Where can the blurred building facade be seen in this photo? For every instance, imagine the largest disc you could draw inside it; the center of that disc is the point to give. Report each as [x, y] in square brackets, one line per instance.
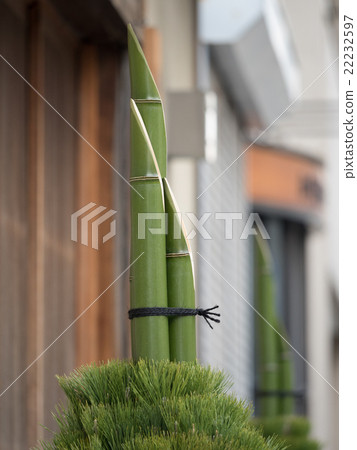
[231, 73]
[272, 66]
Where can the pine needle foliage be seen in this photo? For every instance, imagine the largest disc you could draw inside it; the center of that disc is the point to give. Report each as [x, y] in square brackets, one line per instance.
[153, 405]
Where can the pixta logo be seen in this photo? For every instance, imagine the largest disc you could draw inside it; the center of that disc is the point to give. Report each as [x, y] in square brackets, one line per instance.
[86, 225]
[157, 223]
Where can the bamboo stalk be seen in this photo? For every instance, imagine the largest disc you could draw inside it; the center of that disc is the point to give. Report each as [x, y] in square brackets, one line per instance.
[180, 283]
[150, 335]
[266, 336]
[147, 98]
[286, 404]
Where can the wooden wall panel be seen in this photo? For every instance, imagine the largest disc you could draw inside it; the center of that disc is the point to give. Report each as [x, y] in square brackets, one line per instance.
[87, 184]
[121, 193]
[47, 172]
[107, 75]
[152, 47]
[35, 149]
[60, 89]
[95, 330]
[13, 232]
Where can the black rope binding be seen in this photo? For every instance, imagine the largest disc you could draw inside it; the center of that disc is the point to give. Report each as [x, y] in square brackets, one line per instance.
[181, 312]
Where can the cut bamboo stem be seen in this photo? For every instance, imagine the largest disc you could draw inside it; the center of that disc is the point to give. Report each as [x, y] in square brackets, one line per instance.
[286, 384]
[180, 283]
[266, 336]
[150, 335]
[147, 98]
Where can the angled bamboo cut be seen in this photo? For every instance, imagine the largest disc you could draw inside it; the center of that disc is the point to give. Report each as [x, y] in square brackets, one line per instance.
[147, 98]
[179, 271]
[180, 283]
[150, 335]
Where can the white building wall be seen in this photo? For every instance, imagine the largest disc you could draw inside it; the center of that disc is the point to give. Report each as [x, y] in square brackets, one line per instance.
[311, 127]
[230, 345]
[307, 127]
[176, 23]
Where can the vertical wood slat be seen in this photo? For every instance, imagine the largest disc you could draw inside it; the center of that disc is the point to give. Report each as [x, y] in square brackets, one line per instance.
[13, 237]
[87, 171]
[36, 187]
[95, 330]
[152, 47]
[121, 195]
[107, 64]
[60, 51]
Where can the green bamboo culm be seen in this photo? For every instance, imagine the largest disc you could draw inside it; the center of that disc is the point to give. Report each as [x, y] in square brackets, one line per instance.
[285, 371]
[147, 98]
[293, 430]
[180, 283]
[148, 285]
[275, 363]
[266, 336]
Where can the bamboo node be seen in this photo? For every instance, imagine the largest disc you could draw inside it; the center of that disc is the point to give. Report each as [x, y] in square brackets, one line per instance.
[147, 100]
[143, 178]
[177, 255]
